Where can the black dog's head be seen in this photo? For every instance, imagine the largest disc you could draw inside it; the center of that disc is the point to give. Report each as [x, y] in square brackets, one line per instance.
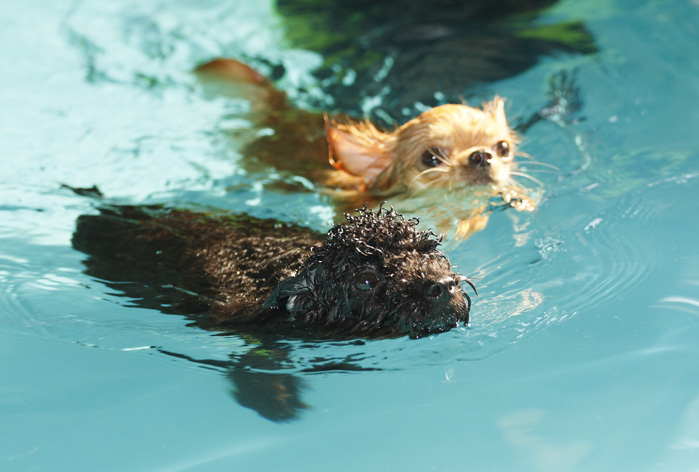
[376, 276]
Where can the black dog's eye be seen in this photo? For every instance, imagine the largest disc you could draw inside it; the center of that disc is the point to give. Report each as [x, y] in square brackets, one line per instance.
[366, 281]
[433, 157]
[502, 148]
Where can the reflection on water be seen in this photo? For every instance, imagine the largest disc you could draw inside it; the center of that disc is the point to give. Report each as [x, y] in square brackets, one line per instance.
[392, 59]
[523, 429]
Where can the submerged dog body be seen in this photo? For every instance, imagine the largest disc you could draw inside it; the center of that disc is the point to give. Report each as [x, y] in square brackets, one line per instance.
[376, 276]
[446, 147]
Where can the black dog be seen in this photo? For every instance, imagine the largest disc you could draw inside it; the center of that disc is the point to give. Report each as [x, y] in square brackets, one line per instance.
[376, 276]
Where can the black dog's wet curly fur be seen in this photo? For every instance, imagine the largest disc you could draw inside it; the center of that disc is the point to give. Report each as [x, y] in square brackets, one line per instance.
[376, 276]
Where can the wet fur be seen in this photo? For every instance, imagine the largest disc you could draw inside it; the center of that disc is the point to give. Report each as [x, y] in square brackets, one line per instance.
[369, 163]
[235, 272]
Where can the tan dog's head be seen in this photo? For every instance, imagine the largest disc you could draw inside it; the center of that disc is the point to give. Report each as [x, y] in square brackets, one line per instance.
[448, 146]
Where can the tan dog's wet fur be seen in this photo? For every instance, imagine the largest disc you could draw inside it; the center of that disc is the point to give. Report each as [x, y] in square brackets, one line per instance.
[449, 147]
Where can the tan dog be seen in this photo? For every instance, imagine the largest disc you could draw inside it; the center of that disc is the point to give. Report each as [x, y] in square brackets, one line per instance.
[445, 147]
[449, 147]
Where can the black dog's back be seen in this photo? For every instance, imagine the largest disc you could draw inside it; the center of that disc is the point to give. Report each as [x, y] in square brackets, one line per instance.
[188, 263]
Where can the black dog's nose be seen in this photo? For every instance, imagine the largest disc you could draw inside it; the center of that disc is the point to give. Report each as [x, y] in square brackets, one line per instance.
[480, 158]
[438, 291]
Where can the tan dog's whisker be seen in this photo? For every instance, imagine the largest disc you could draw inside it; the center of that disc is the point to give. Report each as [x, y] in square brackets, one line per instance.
[417, 185]
[538, 171]
[543, 164]
[527, 176]
[428, 171]
[445, 160]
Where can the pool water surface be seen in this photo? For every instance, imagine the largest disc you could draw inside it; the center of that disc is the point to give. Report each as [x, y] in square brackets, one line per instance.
[583, 349]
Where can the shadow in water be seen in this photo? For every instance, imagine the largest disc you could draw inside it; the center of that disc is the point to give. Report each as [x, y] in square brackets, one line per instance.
[406, 50]
[257, 381]
[261, 378]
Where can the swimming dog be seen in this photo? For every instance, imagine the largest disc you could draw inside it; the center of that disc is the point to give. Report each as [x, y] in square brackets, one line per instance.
[377, 275]
[453, 147]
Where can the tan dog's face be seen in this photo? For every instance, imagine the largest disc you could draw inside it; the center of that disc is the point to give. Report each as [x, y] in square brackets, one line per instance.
[449, 146]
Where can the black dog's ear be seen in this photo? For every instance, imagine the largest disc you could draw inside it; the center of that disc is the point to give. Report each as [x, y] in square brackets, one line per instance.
[290, 292]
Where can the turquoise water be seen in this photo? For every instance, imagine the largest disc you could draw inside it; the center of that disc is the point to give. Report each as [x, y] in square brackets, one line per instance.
[583, 351]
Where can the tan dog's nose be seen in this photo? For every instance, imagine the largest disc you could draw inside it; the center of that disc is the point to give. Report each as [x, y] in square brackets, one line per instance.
[480, 158]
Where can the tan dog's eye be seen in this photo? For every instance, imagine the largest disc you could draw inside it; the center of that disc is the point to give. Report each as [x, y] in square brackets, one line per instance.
[433, 157]
[502, 149]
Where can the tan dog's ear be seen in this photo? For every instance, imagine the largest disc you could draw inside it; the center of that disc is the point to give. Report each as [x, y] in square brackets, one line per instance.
[496, 109]
[359, 148]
